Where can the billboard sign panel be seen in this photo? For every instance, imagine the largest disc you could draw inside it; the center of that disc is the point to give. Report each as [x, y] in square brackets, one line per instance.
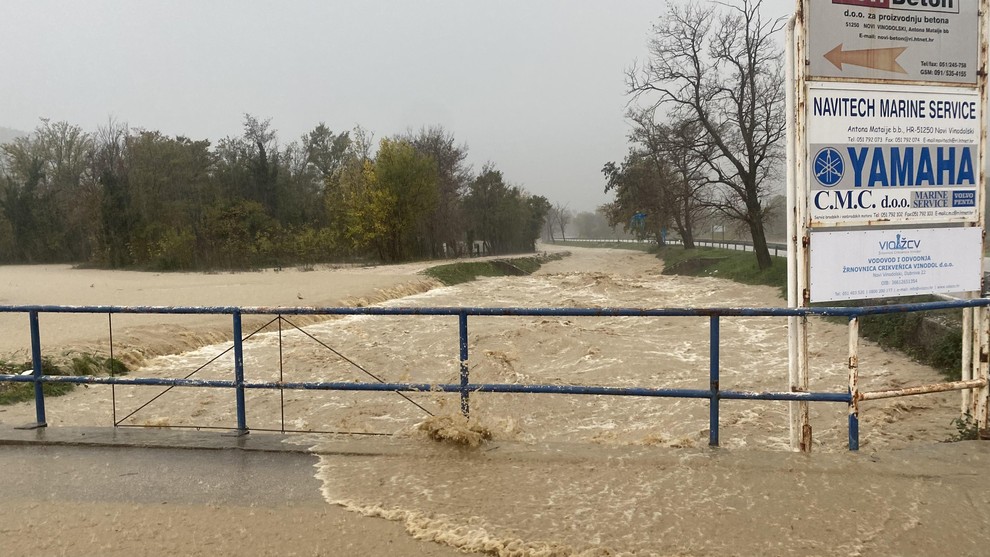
[861, 264]
[936, 41]
[892, 155]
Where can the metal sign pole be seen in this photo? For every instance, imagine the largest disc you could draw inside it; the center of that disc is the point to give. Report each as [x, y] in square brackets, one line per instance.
[802, 260]
[792, 235]
[981, 317]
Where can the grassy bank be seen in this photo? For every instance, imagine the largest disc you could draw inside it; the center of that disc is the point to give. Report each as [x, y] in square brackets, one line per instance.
[738, 266]
[84, 364]
[467, 271]
[933, 338]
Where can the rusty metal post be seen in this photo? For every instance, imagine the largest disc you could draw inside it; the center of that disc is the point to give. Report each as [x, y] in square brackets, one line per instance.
[981, 316]
[801, 240]
[792, 235]
[983, 363]
[854, 384]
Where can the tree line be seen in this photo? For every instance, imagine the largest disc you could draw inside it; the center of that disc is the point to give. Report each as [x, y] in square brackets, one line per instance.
[121, 197]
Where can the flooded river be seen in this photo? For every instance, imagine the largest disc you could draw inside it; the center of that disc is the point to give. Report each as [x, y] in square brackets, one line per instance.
[511, 493]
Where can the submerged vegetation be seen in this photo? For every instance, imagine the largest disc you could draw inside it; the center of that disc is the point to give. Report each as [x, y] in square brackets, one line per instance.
[83, 364]
[458, 273]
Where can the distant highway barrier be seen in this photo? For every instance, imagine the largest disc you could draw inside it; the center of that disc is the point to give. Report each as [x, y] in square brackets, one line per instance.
[777, 249]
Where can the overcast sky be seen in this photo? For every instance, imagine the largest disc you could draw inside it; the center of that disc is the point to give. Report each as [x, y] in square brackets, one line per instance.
[535, 86]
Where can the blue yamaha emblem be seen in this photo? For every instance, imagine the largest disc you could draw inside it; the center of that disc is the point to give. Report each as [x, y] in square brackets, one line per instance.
[829, 167]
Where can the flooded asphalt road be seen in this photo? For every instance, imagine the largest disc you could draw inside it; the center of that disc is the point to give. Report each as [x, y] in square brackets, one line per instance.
[127, 501]
[506, 499]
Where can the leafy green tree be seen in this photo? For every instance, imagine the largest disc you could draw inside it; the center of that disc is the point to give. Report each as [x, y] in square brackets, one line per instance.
[117, 218]
[349, 201]
[445, 227]
[239, 234]
[538, 208]
[503, 216]
[124, 197]
[327, 152]
[172, 184]
[406, 194]
[44, 199]
[639, 202]
[24, 171]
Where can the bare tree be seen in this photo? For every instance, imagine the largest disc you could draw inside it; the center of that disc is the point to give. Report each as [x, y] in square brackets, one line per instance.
[561, 216]
[675, 150]
[549, 224]
[723, 69]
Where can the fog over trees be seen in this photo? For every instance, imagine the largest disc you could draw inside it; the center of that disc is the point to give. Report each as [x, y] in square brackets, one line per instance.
[126, 197]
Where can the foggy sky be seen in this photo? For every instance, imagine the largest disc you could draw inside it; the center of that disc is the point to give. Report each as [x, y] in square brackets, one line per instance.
[535, 86]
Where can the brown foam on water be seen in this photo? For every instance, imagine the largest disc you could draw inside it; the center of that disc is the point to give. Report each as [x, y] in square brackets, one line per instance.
[472, 536]
[455, 429]
[468, 534]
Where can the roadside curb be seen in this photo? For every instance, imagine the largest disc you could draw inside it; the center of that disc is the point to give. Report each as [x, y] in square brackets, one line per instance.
[151, 438]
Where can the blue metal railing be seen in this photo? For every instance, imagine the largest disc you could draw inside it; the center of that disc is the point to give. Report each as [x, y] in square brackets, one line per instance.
[714, 393]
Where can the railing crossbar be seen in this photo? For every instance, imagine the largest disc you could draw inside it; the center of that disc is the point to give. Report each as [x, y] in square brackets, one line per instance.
[442, 387]
[514, 311]
[714, 393]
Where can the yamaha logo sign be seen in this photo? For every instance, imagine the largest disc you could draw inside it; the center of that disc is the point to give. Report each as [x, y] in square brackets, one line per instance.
[829, 167]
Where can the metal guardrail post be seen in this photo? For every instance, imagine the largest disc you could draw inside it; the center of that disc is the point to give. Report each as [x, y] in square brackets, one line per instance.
[713, 385]
[854, 384]
[239, 374]
[39, 386]
[465, 377]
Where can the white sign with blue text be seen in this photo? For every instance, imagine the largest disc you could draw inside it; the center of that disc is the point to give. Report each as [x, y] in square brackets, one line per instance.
[870, 264]
[887, 154]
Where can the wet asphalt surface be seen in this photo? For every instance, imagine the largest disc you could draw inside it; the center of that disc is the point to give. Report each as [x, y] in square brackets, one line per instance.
[157, 475]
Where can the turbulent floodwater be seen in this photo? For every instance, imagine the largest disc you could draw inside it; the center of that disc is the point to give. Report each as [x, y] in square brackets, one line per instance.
[623, 352]
[425, 490]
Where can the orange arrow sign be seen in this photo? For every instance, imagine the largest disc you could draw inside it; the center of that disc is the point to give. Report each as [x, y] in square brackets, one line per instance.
[884, 59]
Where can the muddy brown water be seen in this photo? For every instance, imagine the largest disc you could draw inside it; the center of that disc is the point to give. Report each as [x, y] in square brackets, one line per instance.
[507, 505]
